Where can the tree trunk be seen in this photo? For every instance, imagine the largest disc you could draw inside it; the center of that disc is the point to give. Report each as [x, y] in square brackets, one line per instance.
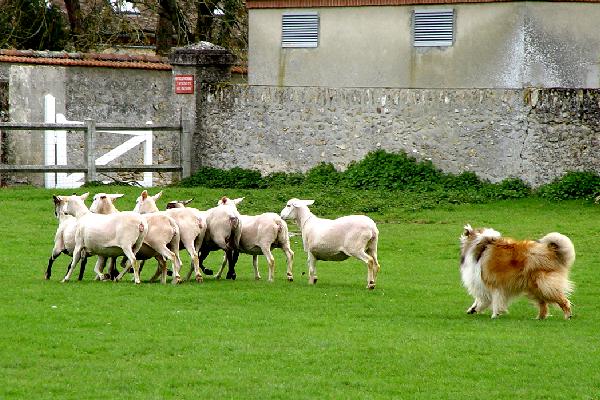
[205, 20]
[164, 34]
[173, 13]
[75, 19]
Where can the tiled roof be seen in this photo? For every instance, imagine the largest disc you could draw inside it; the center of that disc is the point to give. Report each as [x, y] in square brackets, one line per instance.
[359, 3]
[85, 59]
[94, 60]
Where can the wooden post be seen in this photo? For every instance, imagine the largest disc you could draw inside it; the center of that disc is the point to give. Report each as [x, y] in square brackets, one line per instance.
[89, 157]
[185, 148]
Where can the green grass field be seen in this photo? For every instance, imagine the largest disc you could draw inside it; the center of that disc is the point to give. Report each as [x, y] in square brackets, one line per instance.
[410, 338]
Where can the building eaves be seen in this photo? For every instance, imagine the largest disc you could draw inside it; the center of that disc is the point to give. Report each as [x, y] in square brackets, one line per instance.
[253, 4]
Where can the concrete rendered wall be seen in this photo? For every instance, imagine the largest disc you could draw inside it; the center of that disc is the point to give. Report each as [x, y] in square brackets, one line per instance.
[497, 45]
[496, 133]
[128, 96]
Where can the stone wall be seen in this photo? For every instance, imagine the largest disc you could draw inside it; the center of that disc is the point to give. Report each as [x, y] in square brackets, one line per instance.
[535, 135]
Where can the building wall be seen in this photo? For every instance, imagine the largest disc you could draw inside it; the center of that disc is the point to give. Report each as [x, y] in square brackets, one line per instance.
[497, 45]
[535, 135]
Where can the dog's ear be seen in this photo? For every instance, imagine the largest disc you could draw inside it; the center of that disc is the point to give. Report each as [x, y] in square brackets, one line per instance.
[482, 246]
[467, 230]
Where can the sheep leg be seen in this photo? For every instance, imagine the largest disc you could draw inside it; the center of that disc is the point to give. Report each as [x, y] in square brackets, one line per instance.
[220, 272]
[371, 251]
[51, 260]
[135, 263]
[99, 268]
[289, 255]
[162, 266]
[198, 260]
[74, 261]
[255, 266]
[82, 267]
[271, 261]
[371, 267]
[176, 269]
[312, 269]
[195, 262]
[232, 257]
[112, 268]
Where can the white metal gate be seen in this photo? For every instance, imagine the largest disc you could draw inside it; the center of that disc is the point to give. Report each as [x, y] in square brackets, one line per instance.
[55, 149]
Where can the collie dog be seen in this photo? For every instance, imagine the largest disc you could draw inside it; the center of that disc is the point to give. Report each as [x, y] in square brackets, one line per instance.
[495, 269]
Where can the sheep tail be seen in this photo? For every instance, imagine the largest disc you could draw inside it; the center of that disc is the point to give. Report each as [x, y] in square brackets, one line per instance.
[282, 231]
[143, 228]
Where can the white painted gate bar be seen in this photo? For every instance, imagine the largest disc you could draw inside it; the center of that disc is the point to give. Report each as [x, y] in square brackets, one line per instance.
[56, 149]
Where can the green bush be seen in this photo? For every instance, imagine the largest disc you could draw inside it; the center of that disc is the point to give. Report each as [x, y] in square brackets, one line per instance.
[572, 185]
[323, 174]
[282, 179]
[380, 170]
[391, 171]
[465, 180]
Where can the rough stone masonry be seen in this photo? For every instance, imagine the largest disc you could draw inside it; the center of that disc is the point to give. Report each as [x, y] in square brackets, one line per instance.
[533, 134]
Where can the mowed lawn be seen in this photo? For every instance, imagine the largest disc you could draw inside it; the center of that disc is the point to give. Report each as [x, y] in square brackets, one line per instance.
[409, 338]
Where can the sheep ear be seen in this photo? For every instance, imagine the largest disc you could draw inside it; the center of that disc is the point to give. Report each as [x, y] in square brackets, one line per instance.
[185, 202]
[300, 203]
[57, 199]
[223, 201]
[157, 195]
[144, 195]
[116, 196]
[84, 196]
[238, 200]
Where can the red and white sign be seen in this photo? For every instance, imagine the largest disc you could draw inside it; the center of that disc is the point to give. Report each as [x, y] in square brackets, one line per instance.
[184, 84]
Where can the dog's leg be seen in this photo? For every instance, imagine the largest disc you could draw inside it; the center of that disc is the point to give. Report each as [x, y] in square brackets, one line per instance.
[543, 306]
[483, 305]
[565, 305]
[498, 303]
[473, 308]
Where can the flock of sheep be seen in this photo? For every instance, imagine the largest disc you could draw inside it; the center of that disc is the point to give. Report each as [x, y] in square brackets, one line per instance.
[146, 233]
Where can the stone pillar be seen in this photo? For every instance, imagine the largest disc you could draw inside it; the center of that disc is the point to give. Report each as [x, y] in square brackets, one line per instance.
[208, 64]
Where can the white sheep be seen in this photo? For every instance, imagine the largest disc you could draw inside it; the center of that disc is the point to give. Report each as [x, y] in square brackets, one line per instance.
[335, 240]
[260, 234]
[161, 242]
[223, 232]
[103, 235]
[64, 238]
[191, 223]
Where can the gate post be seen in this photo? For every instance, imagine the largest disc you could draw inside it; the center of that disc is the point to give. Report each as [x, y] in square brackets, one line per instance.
[89, 157]
[185, 148]
[195, 68]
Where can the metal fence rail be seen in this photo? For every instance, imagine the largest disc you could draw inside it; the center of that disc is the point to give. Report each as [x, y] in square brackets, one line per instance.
[90, 168]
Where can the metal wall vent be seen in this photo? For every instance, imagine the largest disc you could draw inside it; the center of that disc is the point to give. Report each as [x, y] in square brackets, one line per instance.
[300, 30]
[433, 27]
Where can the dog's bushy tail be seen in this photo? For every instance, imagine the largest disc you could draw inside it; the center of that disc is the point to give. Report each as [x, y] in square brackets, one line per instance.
[562, 245]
